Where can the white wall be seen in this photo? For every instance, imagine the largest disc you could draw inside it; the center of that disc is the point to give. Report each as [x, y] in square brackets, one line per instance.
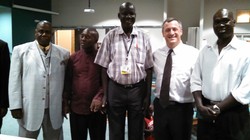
[149, 15]
[211, 6]
[156, 38]
[187, 11]
[149, 12]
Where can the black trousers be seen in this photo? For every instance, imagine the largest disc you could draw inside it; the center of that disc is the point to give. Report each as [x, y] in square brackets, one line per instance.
[94, 123]
[124, 102]
[1, 122]
[232, 124]
[173, 122]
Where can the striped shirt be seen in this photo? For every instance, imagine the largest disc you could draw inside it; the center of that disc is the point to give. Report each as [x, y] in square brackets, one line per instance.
[114, 50]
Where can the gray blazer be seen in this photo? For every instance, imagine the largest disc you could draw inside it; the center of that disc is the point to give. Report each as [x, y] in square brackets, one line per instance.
[27, 81]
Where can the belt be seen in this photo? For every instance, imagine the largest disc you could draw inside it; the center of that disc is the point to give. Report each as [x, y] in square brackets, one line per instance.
[209, 102]
[174, 102]
[130, 85]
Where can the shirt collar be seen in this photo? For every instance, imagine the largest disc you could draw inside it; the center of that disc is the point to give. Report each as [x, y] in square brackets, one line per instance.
[134, 31]
[176, 49]
[41, 47]
[232, 44]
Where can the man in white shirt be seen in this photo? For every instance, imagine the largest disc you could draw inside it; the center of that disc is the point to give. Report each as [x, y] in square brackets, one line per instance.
[220, 84]
[174, 121]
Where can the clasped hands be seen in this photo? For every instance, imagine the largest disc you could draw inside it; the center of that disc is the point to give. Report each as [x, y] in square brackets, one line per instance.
[96, 105]
[209, 111]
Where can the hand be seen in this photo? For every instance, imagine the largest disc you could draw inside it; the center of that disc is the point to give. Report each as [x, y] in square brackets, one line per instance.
[3, 112]
[104, 103]
[65, 110]
[17, 113]
[206, 111]
[95, 105]
[216, 110]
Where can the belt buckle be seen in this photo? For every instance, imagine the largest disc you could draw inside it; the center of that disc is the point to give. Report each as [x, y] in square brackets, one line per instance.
[128, 86]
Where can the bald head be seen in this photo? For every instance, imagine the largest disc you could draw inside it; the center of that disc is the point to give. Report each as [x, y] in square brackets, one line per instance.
[41, 23]
[223, 25]
[223, 13]
[43, 33]
[126, 5]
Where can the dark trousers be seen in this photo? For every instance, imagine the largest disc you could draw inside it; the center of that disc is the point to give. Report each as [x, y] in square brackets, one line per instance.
[1, 122]
[173, 122]
[94, 123]
[232, 124]
[121, 102]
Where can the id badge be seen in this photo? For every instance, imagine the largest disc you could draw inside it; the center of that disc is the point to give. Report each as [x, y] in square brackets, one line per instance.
[126, 69]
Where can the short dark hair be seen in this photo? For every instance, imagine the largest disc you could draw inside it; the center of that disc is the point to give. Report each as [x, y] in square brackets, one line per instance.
[94, 32]
[171, 19]
[42, 22]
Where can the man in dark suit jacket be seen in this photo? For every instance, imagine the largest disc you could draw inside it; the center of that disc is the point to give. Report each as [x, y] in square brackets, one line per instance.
[4, 79]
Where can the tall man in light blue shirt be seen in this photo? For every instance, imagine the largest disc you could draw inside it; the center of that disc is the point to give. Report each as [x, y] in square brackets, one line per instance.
[174, 122]
[221, 84]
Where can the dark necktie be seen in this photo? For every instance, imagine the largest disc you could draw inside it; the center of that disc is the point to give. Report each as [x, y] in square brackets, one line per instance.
[45, 51]
[164, 93]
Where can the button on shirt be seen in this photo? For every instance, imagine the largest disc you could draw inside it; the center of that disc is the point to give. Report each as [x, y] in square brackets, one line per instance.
[183, 60]
[112, 55]
[218, 75]
[46, 64]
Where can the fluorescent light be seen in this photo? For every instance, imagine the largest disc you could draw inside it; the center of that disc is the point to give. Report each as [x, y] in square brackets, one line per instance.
[89, 10]
[34, 9]
[243, 16]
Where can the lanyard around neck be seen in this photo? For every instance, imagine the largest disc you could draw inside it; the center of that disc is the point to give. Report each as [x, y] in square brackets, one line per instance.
[126, 47]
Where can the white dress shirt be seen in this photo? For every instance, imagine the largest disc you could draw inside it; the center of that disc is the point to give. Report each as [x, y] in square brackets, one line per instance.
[183, 60]
[218, 75]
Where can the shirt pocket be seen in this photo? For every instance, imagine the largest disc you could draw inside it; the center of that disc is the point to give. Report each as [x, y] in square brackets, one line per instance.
[140, 55]
[182, 74]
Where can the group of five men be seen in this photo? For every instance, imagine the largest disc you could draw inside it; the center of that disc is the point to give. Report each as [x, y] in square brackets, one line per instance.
[46, 83]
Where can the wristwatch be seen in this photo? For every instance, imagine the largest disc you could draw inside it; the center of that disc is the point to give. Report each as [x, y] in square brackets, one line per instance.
[216, 109]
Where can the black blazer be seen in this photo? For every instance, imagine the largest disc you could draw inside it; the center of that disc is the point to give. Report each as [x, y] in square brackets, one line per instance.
[4, 74]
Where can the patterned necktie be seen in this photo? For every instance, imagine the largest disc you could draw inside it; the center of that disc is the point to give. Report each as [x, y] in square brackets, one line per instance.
[164, 93]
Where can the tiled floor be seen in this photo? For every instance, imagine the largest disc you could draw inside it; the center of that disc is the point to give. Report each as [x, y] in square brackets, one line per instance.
[10, 127]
